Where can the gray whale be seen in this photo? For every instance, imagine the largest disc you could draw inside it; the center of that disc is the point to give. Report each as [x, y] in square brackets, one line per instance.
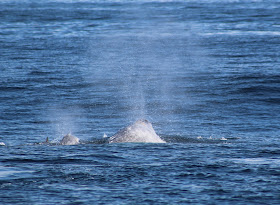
[69, 140]
[140, 131]
[66, 140]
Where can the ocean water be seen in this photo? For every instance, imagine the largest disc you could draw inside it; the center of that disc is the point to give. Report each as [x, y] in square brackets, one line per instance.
[199, 71]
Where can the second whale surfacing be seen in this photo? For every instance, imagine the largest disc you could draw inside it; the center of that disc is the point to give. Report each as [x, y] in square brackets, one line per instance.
[140, 131]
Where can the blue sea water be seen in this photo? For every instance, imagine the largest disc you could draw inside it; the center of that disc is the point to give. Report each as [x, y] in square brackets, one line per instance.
[199, 71]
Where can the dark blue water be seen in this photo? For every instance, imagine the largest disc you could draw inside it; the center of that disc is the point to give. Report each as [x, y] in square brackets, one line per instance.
[192, 68]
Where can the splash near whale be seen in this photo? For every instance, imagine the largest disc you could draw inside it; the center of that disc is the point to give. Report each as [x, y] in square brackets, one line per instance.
[140, 131]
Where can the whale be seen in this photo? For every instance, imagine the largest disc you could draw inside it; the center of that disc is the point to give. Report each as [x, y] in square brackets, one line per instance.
[66, 140]
[69, 140]
[140, 131]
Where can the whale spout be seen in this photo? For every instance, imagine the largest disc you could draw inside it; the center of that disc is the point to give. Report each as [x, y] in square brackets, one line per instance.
[69, 140]
[140, 131]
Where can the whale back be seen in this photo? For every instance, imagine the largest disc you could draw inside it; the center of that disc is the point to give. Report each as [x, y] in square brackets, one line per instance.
[140, 131]
[69, 140]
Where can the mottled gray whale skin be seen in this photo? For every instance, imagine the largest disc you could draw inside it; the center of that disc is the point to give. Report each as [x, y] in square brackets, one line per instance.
[140, 131]
[69, 140]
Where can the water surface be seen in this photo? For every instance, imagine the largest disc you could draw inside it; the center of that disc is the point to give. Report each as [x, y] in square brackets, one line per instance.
[192, 68]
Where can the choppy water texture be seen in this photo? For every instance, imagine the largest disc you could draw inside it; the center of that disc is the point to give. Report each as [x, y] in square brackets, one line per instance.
[192, 68]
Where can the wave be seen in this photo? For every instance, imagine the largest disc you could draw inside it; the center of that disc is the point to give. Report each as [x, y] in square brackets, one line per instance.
[239, 33]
